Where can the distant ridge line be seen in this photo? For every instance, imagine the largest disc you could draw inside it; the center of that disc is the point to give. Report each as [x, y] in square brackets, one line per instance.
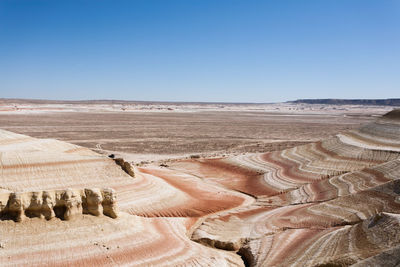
[332, 101]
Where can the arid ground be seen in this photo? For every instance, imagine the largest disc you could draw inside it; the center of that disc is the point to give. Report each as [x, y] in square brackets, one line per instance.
[150, 132]
[211, 185]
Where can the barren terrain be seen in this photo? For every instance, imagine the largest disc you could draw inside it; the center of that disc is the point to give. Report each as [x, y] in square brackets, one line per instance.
[151, 132]
[295, 188]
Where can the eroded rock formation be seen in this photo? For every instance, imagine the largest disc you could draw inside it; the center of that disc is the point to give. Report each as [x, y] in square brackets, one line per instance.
[175, 202]
[333, 202]
[64, 204]
[126, 166]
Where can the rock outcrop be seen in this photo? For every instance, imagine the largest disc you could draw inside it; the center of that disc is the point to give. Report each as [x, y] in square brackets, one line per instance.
[126, 166]
[64, 204]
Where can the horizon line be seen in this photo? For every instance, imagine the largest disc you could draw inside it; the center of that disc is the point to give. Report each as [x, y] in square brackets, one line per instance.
[193, 102]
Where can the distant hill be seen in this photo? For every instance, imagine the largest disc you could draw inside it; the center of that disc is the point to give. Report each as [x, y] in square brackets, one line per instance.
[330, 101]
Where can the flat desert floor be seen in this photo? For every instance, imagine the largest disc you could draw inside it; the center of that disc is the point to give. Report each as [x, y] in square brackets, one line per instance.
[149, 132]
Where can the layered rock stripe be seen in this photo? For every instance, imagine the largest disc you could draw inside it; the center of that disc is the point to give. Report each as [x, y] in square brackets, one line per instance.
[312, 202]
[36, 165]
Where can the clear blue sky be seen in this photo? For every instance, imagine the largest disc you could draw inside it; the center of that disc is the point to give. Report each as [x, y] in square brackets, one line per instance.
[200, 50]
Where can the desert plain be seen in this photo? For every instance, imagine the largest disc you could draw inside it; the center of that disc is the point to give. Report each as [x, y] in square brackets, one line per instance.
[200, 184]
[153, 131]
